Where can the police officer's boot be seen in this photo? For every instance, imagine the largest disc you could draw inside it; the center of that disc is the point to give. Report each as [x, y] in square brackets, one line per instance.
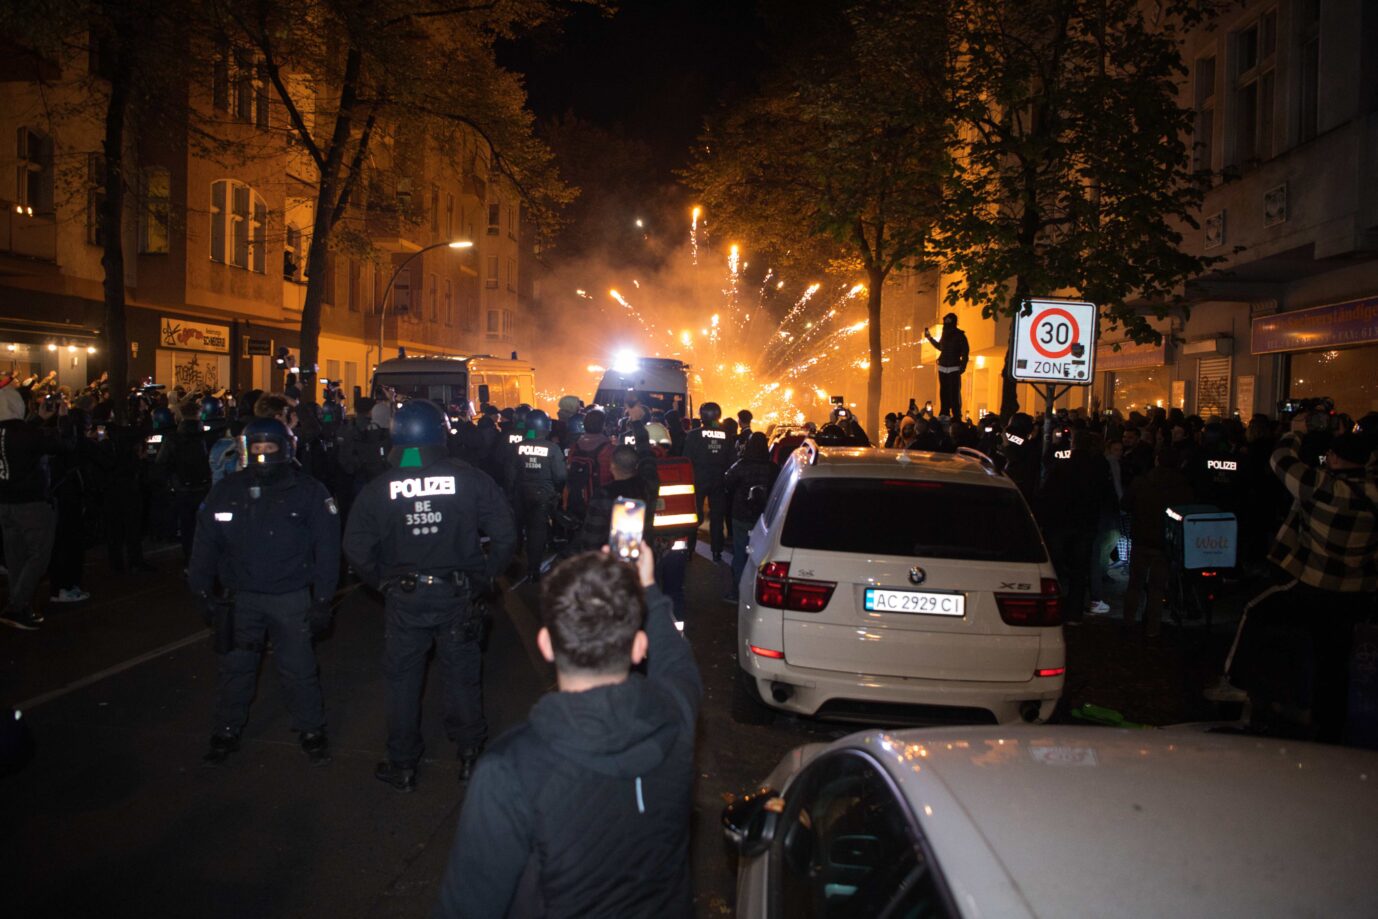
[468, 759]
[316, 747]
[222, 745]
[400, 777]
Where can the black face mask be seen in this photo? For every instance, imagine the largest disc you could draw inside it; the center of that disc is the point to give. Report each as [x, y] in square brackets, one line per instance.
[269, 473]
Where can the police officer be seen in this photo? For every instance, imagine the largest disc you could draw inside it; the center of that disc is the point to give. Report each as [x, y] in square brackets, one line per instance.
[707, 449]
[270, 534]
[1022, 451]
[535, 479]
[414, 534]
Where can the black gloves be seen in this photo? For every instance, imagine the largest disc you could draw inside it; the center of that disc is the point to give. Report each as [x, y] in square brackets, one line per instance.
[320, 615]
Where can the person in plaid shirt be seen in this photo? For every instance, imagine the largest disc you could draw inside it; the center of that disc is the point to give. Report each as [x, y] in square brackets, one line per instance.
[1328, 549]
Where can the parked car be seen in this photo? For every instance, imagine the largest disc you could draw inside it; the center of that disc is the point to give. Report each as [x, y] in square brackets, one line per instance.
[900, 587]
[1023, 820]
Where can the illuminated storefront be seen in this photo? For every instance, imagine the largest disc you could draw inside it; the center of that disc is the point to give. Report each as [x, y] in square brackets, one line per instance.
[1136, 377]
[1331, 351]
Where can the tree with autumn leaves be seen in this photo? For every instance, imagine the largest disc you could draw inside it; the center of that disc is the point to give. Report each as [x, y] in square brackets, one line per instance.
[1023, 147]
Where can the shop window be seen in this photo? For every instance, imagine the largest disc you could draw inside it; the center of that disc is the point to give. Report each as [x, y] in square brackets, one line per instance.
[238, 220]
[95, 198]
[155, 213]
[1347, 375]
[1204, 129]
[34, 173]
[1255, 49]
[1141, 390]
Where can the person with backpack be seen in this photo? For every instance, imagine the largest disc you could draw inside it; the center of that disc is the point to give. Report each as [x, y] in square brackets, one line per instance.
[627, 483]
[747, 484]
[187, 460]
[589, 465]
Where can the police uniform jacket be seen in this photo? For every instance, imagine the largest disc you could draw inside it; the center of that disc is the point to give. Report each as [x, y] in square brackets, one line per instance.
[711, 452]
[427, 521]
[267, 537]
[538, 468]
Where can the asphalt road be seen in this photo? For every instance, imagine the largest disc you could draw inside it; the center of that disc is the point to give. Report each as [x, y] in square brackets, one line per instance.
[116, 817]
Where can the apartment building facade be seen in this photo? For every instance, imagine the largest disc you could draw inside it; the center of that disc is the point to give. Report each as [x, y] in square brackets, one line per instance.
[217, 234]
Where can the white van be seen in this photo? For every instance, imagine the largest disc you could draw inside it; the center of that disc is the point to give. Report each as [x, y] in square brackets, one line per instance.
[459, 384]
[656, 382]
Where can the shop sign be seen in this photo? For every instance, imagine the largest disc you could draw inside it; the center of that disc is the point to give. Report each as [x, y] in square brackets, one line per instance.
[193, 336]
[1337, 325]
[1131, 356]
[258, 347]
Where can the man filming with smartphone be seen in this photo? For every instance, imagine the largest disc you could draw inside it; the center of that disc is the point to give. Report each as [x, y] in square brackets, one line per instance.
[585, 807]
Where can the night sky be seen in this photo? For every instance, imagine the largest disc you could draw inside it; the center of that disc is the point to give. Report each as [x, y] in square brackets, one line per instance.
[654, 69]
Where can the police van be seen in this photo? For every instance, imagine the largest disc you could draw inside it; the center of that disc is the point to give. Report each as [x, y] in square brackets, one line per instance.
[460, 384]
[656, 382]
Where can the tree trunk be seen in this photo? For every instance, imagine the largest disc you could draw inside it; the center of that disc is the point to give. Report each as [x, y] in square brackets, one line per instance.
[1009, 391]
[317, 264]
[111, 219]
[873, 380]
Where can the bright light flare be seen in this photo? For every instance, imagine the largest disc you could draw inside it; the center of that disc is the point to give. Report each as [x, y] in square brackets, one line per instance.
[626, 361]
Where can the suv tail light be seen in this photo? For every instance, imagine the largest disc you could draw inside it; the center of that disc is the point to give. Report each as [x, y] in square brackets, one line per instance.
[775, 589]
[1038, 610]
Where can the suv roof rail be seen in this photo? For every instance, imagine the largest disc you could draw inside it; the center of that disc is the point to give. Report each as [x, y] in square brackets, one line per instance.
[810, 448]
[983, 459]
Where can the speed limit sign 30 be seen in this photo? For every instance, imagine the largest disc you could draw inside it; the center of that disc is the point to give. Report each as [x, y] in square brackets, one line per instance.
[1055, 342]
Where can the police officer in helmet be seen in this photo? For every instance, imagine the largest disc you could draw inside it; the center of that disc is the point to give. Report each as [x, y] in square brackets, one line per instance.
[414, 534]
[708, 450]
[535, 479]
[270, 536]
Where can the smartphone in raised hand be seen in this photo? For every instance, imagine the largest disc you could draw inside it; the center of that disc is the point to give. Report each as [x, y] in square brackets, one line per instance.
[628, 528]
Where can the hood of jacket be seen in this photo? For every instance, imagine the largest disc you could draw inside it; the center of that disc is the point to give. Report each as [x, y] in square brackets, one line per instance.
[591, 443]
[11, 404]
[624, 730]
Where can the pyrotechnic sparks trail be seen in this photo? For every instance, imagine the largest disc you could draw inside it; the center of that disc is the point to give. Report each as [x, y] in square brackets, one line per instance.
[694, 236]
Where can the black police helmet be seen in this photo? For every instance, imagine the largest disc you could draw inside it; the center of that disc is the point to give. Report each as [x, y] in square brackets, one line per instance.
[267, 430]
[163, 420]
[538, 423]
[419, 423]
[710, 412]
[212, 408]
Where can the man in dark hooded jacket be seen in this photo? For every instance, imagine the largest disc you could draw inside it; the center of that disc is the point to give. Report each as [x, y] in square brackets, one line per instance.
[585, 808]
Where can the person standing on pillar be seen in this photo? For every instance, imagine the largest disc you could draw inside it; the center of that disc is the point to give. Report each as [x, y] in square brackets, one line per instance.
[953, 352]
[414, 534]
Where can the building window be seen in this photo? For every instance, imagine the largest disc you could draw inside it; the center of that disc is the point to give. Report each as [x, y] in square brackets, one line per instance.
[506, 323]
[1255, 48]
[492, 280]
[435, 308]
[494, 218]
[33, 184]
[493, 320]
[292, 254]
[449, 302]
[449, 216]
[1308, 14]
[435, 210]
[356, 285]
[95, 198]
[156, 210]
[401, 292]
[511, 274]
[511, 221]
[1204, 131]
[239, 85]
[471, 313]
[238, 219]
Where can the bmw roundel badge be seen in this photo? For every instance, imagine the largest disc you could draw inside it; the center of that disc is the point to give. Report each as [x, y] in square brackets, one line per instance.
[917, 575]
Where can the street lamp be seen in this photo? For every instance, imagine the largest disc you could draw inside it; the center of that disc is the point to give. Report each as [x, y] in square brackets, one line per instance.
[383, 304]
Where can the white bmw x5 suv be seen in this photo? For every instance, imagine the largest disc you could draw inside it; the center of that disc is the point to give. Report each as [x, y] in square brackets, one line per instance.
[899, 587]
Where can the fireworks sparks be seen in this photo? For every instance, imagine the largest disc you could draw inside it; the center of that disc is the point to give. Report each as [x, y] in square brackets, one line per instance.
[694, 235]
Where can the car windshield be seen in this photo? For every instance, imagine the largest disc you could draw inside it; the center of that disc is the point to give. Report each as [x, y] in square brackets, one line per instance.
[912, 518]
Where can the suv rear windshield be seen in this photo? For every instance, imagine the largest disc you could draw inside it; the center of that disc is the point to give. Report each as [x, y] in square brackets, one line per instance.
[912, 518]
